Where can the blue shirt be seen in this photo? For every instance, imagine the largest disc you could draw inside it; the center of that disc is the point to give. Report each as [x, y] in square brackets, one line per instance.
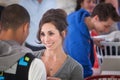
[78, 43]
[36, 10]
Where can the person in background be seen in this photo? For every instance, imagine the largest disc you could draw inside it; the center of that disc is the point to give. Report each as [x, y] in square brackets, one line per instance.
[36, 9]
[86, 4]
[114, 27]
[1, 9]
[78, 42]
[113, 2]
[52, 31]
[17, 61]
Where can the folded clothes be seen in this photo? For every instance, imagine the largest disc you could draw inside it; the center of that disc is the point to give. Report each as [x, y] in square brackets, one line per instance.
[113, 36]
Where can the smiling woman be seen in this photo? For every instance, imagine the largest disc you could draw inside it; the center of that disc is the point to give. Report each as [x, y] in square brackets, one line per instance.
[52, 31]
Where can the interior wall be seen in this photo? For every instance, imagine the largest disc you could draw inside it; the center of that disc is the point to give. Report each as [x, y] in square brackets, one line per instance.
[67, 5]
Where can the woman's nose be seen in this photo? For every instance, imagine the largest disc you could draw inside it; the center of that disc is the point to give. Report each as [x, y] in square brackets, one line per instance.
[46, 38]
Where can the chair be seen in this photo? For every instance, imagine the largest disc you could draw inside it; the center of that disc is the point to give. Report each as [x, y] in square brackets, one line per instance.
[103, 77]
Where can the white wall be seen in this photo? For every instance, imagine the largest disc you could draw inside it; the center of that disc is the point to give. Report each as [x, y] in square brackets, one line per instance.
[67, 5]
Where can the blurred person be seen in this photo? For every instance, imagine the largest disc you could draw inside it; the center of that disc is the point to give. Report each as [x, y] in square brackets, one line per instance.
[114, 27]
[52, 31]
[86, 4]
[36, 9]
[1, 9]
[17, 61]
[113, 2]
[78, 42]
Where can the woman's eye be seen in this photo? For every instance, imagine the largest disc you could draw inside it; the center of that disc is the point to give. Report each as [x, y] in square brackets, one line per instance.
[51, 33]
[42, 34]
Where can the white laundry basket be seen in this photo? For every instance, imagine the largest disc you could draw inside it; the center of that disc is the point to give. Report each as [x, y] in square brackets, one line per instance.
[109, 57]
[109, 49]
[111, 45]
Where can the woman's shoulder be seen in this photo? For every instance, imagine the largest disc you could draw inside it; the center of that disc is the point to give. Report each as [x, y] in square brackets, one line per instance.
[73, 63]
[39, 53]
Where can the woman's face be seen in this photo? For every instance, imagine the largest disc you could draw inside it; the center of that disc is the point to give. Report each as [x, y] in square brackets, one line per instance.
[88, 5]
[50, 36]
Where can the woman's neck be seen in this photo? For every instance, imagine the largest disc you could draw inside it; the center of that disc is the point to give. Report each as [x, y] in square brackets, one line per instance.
[54, 53]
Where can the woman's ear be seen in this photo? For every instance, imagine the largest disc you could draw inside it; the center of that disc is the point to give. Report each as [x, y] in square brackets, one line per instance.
[64, 33]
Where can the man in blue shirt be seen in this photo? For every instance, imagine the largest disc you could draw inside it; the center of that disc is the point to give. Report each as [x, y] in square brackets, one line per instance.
[78, 43]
